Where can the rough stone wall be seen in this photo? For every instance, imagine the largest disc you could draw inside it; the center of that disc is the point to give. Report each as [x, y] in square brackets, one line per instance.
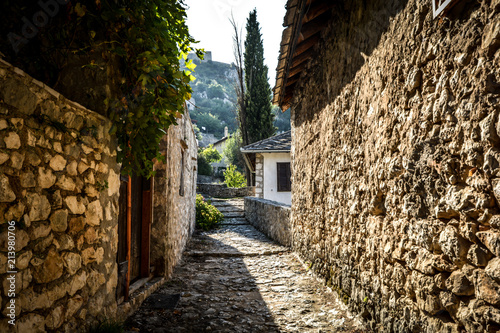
[259, 175]
[396, 164]
[270, 217]
[174, 196]
[59, 181]
[222, 191]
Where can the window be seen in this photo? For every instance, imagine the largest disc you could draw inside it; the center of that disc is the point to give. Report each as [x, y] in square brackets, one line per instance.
[284, 183]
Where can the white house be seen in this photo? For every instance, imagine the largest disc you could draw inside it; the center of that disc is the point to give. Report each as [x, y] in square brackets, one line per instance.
[269, 160]
[220, 145]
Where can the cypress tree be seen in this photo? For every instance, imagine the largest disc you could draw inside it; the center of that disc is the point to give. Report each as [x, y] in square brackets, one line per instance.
[259, 118]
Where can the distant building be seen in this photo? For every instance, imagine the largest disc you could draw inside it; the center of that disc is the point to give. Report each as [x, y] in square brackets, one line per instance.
[220, 146]
[269, 160]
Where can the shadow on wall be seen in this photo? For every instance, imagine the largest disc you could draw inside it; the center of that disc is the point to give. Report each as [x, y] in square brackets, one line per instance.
[366, 23]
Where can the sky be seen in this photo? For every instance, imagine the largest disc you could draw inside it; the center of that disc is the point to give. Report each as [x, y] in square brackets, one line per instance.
[208, 22]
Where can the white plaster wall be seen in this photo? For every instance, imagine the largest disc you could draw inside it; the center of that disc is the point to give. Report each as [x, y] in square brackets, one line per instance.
[270, 178]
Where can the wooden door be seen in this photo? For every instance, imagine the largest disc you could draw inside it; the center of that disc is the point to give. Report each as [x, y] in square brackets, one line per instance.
[134, 225]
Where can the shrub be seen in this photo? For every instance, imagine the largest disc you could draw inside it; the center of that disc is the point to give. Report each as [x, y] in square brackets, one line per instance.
[207, 216]
[233, 178]
[205, 157]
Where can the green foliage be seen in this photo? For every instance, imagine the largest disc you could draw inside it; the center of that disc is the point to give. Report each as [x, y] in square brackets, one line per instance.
[211, 154]
[204, 167]
[139, 42]
[281, 119]
[107, 326]
[213, 92]
[233, 178]
[259, 118]
[205, 157]
[207, 216]
[232, 153]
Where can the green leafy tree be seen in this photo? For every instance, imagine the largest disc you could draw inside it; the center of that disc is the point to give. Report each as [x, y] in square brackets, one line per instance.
[259, 118]
[205, 157]
[232, 153]
[281, 119]
[234, 178]
[125, 56]
[211, 154]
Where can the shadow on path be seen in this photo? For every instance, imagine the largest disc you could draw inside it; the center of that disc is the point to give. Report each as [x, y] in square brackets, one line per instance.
[234, 279]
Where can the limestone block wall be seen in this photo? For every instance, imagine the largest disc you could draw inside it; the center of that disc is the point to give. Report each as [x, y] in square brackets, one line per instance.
[222, 191]
[259, 175]
[270, 217]
[59, 182]
[396, 164]
[174, 196]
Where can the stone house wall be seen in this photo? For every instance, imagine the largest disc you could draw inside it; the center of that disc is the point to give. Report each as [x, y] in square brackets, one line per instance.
[270, 217]
[396, 164]
[59, 181]
[174, 196]
[259, 175]
[222, 191]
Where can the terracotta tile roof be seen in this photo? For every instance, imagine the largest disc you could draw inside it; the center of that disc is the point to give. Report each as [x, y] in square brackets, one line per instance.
[278, 143]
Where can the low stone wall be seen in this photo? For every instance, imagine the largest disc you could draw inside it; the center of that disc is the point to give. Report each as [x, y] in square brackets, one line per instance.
[59, 182]
[270, 217]
[222, 191]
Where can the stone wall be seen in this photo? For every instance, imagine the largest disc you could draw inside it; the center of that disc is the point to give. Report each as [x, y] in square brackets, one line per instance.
[222, 191]
[174, 196]
[270, 217]
[259, 175]
[396, 164]
[59, 181]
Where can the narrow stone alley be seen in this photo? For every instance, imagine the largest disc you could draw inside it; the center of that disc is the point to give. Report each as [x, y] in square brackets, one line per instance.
[234, 279]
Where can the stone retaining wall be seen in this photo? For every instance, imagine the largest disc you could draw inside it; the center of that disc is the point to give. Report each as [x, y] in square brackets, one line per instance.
[59, 181]
[222, 191]
[270, 217]
[396, 164]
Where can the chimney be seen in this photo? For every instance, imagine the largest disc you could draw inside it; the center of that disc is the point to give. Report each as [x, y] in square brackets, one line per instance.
[226, 132]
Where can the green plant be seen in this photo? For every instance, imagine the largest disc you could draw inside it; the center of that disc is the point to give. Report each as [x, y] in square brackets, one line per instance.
[232, 153]
[107, 326]
[141, 42]
[207, 216]
[205, 157]
[233, 178]
[211, 154]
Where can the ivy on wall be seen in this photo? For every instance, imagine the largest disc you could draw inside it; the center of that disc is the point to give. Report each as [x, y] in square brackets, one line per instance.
[147, 40]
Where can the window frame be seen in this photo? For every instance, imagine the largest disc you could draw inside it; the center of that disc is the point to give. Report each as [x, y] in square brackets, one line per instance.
[287, 187]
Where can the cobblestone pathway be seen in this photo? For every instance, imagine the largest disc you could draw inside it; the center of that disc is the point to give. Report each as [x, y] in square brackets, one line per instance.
[234, 279]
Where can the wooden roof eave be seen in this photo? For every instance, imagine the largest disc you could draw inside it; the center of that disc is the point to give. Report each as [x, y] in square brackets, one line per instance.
[304, 22]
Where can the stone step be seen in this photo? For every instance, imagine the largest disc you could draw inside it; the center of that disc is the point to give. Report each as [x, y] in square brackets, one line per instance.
[229, 209]
[234, 221]
[234, 214]
[228, 254]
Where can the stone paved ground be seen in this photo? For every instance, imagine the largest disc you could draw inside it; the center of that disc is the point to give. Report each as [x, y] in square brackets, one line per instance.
[234, 279]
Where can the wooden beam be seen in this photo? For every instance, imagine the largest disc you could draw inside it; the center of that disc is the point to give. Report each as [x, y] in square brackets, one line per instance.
[316, 9]
[296, 70]
[292, 80]
[313, 27]
[129, 235]
[306, 45]
[304, 56]
[147, 217]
